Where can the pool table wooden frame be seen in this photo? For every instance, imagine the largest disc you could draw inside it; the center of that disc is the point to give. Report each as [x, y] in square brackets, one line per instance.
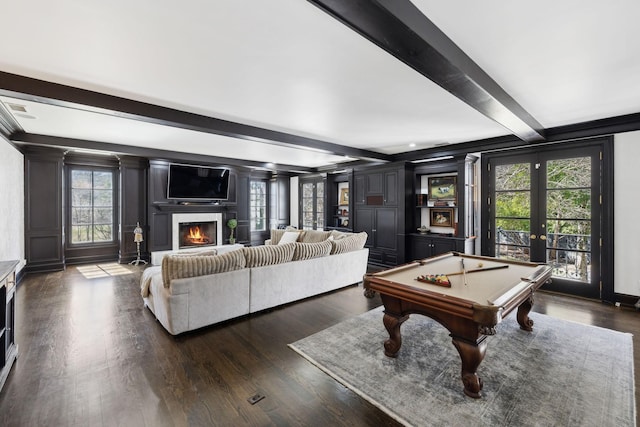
[469, 321]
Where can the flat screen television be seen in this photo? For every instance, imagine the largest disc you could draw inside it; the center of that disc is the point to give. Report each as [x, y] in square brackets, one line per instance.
[197, 183]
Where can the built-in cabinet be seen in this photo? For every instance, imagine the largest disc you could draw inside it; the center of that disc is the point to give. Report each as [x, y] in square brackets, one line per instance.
[8, 346]
[428, 245]
[339, 202]
[379, 210]
[443, 199]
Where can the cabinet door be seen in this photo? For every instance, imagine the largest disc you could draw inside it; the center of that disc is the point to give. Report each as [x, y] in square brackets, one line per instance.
[360, 189]
[420, 247]
[440, 246]
[364, 221]
[391, 188]
[386, 226]
[374, 184]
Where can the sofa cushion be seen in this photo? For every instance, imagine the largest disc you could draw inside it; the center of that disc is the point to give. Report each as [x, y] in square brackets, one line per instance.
[304, 251]
[314, 236]
[350, 243]
[181, 266]
[258, 256]
[204, 252]
[337, 235]
[289, 237]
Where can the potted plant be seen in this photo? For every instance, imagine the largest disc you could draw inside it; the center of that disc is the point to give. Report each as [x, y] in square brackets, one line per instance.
[232, 224]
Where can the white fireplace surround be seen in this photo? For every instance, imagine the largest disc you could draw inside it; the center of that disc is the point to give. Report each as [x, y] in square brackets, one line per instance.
[177, 219]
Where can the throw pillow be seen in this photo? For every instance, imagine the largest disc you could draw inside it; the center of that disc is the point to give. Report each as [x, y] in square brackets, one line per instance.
[314, 236]
[180, 266]
[311, 250]
[276, 235]
[258, 256]
[351, 243]
[289, 237]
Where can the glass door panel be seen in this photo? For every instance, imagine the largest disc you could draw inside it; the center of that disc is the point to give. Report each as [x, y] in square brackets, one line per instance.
[512, 220]
[312, 205]
[569, 218]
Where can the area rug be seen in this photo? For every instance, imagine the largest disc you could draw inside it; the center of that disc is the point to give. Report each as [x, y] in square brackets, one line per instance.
[561, 374]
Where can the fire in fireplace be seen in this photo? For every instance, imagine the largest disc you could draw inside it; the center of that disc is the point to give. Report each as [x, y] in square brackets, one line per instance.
[195, 234]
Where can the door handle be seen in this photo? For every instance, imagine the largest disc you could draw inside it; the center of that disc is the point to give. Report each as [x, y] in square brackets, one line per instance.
[533, 237]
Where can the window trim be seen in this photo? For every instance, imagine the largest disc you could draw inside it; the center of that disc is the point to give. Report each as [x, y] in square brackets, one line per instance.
[69, 205]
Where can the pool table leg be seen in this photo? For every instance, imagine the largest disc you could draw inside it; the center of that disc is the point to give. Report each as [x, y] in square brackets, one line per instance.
[471, 355]
[392, 324]
[523, 314]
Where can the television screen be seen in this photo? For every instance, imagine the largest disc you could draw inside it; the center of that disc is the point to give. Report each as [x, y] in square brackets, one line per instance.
[203, 183]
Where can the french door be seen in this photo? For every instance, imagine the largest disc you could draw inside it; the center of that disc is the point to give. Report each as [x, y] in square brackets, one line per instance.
[546, 206]
[312, 204]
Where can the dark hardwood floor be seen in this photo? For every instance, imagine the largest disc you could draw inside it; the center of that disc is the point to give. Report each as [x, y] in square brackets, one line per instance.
[91, 355]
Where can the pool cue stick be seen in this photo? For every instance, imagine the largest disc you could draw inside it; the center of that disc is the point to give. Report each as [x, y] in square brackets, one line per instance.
[464, 271]
[457, 273]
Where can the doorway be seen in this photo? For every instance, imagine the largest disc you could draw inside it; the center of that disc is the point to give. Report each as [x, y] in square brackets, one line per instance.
[547, 206]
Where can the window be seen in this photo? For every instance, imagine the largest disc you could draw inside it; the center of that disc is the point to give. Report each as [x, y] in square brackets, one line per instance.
[258, 205]
[92, 206]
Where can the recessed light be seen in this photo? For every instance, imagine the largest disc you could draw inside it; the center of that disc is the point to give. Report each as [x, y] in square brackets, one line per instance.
[17, 107]
[24, 116]
[412, 145]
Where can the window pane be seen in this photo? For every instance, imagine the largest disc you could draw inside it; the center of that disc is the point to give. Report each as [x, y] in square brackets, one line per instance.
[569, 173]
[103, 180]
[574, 204]
[102, 233]
[81, 197]
[513, 204]
[81, 216]
[513, 177]
[81, 179]
[102, 198]
[80, 234]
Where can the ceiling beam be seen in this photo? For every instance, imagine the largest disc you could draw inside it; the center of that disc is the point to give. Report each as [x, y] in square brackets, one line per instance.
[401, 29]
[22, 138]
[31, 89]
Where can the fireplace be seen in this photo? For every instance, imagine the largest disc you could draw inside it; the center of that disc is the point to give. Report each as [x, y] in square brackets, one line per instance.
[196, 234]
[194, 230]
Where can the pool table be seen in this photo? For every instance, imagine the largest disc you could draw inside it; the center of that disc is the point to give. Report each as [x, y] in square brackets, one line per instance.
[479, 293]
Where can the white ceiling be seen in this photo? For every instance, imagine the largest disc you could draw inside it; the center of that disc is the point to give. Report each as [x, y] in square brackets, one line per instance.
[287, 66]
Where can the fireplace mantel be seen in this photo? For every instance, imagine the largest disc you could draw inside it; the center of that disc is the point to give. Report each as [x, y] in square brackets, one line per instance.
[178, 218]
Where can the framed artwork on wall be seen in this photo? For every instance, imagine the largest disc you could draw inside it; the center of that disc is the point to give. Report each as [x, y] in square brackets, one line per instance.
[344, 196]
[442, 188]
[441, 217]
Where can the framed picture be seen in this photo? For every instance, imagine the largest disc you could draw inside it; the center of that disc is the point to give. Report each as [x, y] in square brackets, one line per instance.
[442, 188]
[344, 196]
[441, 217]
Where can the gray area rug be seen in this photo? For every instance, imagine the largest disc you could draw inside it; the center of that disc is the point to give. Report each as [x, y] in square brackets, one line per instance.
[561, 374]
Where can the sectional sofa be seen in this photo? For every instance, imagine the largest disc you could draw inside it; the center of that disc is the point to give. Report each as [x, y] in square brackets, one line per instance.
[191, 291]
